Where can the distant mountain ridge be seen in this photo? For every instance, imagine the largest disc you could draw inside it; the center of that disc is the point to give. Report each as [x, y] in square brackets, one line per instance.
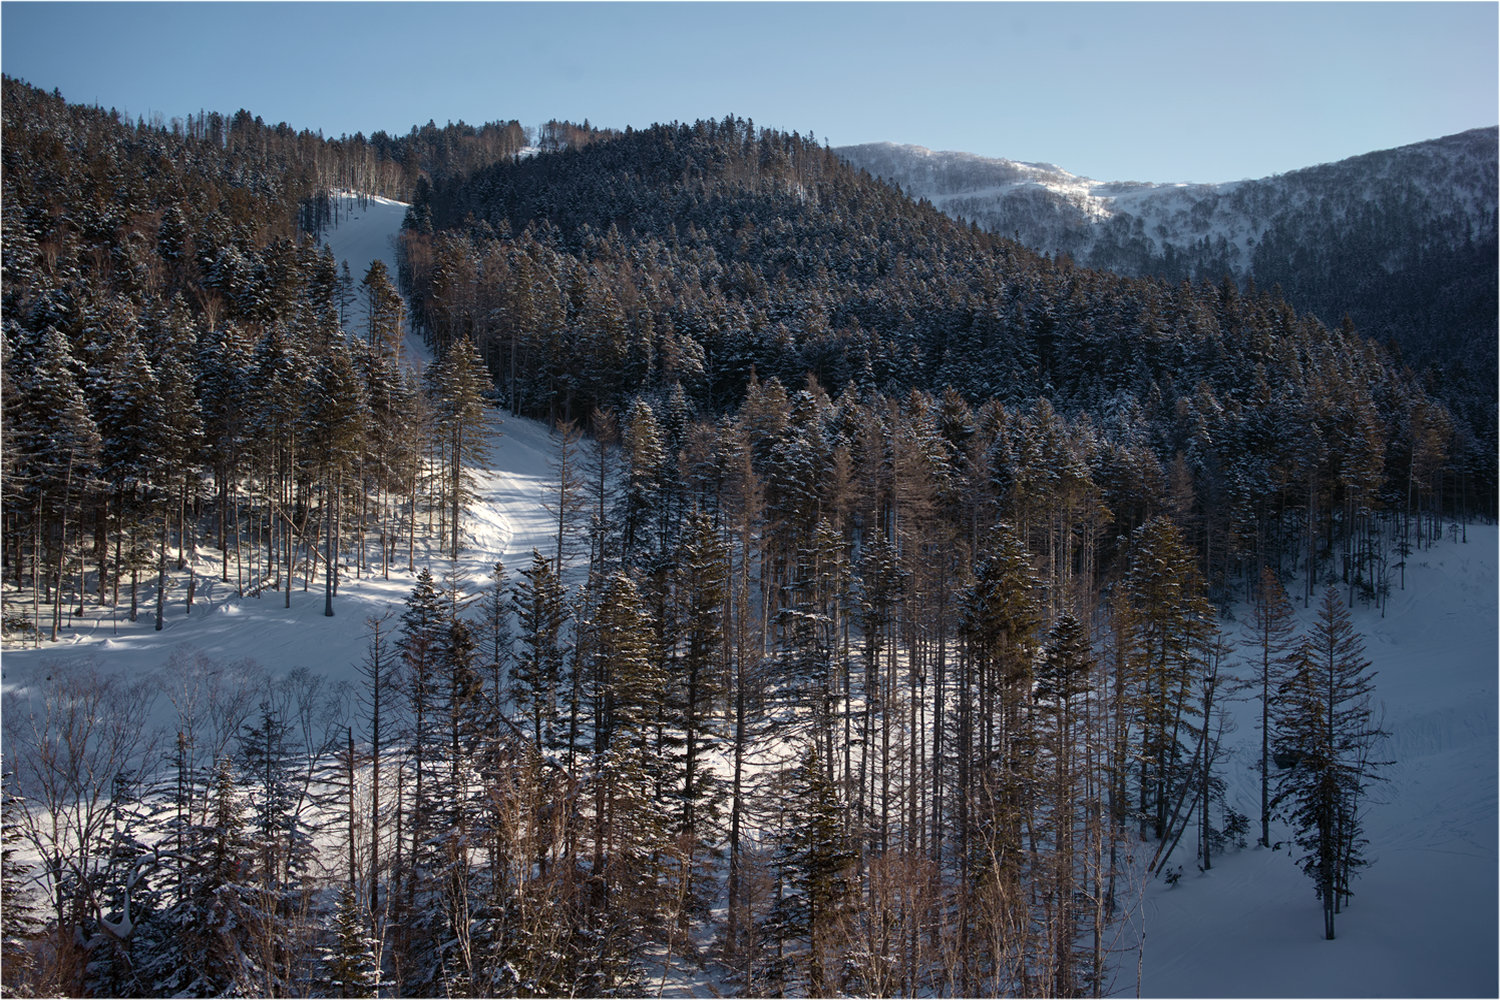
[1402, 241]
[1142, 228]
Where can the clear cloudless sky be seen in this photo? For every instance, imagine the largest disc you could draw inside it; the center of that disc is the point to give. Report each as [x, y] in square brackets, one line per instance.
[1115, 91]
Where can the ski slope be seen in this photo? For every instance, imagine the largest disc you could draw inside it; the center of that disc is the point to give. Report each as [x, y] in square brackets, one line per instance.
[505, 524]
[1423, 920]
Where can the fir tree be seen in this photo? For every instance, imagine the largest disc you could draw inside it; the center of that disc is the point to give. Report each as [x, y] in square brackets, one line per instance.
[456, 385]
[540, 614]
[1273, 626]
[815, 881]
[1325, 721]
[349, 964]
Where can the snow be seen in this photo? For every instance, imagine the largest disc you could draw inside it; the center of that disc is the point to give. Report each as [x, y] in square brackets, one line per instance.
[1423, 920]
[367, 231]
[1004, 194]
[506, 523]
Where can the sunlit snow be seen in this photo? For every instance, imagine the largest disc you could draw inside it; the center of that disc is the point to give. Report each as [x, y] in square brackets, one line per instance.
[1423, 919]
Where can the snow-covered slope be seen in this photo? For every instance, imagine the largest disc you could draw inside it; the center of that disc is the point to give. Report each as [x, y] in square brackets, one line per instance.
[366, 232]
[506, 523]
[1423, 919]
[1132, 226]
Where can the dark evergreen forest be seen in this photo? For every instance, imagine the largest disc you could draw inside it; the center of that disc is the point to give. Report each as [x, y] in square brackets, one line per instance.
[879, 636]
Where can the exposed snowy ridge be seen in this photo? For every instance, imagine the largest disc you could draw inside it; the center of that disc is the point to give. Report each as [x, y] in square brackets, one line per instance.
[1131, 226]
[952, 175]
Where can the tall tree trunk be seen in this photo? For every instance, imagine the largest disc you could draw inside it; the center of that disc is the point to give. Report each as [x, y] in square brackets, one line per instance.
[161, 570]
[329, 558]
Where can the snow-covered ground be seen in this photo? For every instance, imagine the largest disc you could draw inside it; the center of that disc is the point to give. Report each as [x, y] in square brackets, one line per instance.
[1423, 921]
[366, 232]
[506, 523]
[1423, 918]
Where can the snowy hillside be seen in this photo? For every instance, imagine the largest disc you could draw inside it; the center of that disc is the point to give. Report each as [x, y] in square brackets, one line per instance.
[1131, 225]
[1423, 920]
[506, 523]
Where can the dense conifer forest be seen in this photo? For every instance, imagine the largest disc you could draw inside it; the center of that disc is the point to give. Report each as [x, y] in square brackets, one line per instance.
[880, 626]
[1401, 241]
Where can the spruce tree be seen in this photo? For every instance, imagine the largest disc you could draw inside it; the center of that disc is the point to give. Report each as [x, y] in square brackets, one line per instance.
[1172, 619]
[59, 443]
[20, 923]
[540, 614]
[1325, 721]
[349, 964]
[461, 419]
[702, 579]
[1273, 626]
[815, 881]
[1062, 684]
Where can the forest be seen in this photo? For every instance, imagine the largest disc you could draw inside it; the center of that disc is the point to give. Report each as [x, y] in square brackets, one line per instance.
[878, 637]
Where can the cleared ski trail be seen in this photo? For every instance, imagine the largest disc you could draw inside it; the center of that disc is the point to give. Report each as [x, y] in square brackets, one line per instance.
[505, 523]
[1423, 920]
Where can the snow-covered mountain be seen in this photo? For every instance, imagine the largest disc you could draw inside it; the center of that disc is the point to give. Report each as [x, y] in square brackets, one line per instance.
[1446, 185]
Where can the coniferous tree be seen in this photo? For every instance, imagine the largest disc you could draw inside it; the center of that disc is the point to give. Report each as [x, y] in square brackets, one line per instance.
[1325, 721]
[815, 883]
[349, 964]
[569, 500]
[380, 671]
[384, 312]
[1273, 626]
[337, 414]
[644, 459]
[1171, 621]
[1063, 682]
[421, 644]
[702, 582]
[540, 614]
[59, 442]
[629, 834]
[461, 420]
[20, 923]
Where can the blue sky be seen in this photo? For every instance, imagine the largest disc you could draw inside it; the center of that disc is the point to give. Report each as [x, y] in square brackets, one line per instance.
[1115, 91]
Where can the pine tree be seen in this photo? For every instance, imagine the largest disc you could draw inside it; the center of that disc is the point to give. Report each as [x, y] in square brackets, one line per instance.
[1172, 618]
[222, 368]
[644, 459]
[379, 672]
[336, 416]
[1001, 618]
[59, 443]
[20, 923]
[207, 959]
[570, 500]
[1273, 626]
[496, 635]
[629, 836]
[1062, 683]
[461, 418]
[702, 579]
[421, 644]
[383, 312]
[815, 881]
[350, 968]
[1325, 721]
[540, 614]
[278, 382]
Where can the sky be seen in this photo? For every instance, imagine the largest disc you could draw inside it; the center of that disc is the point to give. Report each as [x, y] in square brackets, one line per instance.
[1165, 92]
